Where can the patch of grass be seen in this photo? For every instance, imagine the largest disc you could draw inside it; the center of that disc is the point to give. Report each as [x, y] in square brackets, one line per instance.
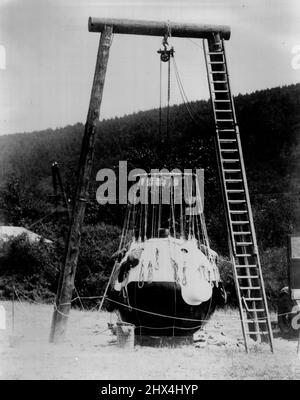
[88, 354]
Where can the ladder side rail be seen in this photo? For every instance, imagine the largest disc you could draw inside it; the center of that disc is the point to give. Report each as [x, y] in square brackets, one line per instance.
[222, 176]
[242, 163]
[243, 249]
[232, 248]
[248, 204]
[223, 179]
[257, 257]
[249, 208]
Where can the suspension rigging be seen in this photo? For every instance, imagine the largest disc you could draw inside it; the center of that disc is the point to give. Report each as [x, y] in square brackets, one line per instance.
[166, 53]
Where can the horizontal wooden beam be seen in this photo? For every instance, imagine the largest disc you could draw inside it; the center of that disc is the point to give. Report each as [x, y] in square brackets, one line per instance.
[156, 28]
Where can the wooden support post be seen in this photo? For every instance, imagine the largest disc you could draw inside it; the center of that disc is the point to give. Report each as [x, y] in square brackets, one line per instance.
[66, 286]
[56, 177]
[13, 311]
[298, 344]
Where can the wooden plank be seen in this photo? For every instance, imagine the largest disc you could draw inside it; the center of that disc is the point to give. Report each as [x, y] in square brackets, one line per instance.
[64, 295]
[158, 28]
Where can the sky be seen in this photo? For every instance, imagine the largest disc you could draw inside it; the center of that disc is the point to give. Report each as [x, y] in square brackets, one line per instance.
[47, 56]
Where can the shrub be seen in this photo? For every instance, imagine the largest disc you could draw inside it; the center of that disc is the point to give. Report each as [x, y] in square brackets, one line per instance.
[226, 273]
[274, 270]
[98, 243]
[31, 267]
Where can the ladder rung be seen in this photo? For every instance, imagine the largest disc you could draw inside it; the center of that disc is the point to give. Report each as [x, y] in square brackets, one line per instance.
[230, 160]
[227, 140]
[239, 212]
[218, 72]
[216, 62]
[244, 243]
[244, 255]
[215, 52]
[229, 150]
[222, 71]
[227, 111]
[258, 321]
[233, 180]
[220, 91]
[224, 120]
[235, 190]
[237, 201]
[253, 298]
[221, 130]
[247, 276]
[256, 309]
[240, 222]
[246, 265]
[251, 288]
[220, 82]
[221, 101]
[257, 333]
[242, 233]
[231, 170]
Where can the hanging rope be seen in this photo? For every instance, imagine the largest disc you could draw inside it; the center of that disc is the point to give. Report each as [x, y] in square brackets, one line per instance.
[159, 206]
[172, 207]
[160, 108]
[182, 233]
[166, 54]
[192, 113]
[168, 103]
[41, 219]
[146, 209]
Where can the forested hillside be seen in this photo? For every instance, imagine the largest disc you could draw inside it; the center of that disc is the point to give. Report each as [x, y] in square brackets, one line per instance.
[269, 122]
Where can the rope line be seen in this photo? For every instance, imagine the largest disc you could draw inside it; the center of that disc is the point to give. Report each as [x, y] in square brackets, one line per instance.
[41, 219]
[144, 311]
[82, 307]
[59, 312]
[184, 97]
[168, 316]
[196, 44]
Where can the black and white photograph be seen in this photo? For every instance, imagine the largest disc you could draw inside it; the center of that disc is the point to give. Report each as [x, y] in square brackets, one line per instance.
[149, 193]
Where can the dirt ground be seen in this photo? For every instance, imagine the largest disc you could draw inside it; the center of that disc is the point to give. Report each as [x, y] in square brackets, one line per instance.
[91, 351]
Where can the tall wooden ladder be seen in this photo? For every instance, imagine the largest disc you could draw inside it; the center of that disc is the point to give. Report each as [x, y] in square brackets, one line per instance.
[244, 254]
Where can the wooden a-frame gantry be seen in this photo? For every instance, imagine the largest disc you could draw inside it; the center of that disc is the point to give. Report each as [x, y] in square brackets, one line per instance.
[244, 253]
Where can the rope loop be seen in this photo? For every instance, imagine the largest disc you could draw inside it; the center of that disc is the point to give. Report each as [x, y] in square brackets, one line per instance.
[157, 258]
[141, 277]
[150, 272]
[176, 275]
[184, 281]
